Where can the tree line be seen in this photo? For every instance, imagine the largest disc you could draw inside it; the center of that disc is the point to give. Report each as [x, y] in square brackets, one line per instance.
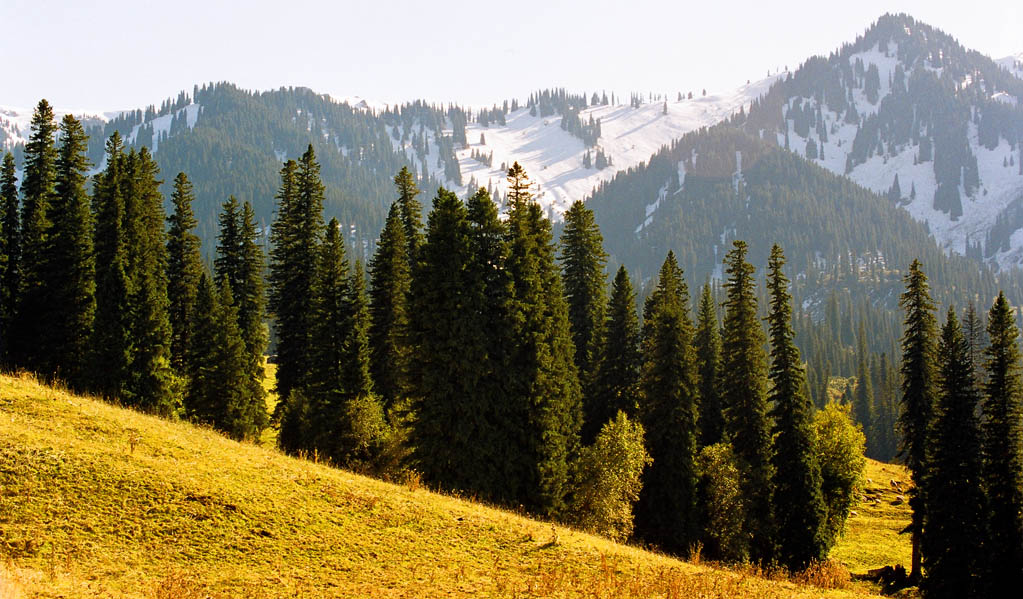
[475, 350]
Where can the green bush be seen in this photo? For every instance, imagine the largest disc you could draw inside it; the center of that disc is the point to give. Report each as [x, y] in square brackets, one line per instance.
[721, 495]
[609, 479]
[840, 443]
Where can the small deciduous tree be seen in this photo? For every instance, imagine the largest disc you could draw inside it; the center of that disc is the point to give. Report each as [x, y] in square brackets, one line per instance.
[839, 449]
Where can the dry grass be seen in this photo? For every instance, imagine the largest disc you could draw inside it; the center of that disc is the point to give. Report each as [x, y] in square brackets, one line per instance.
[99, 501]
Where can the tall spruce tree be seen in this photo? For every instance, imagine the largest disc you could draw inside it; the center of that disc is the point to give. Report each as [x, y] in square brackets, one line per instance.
[863, 405]
[618, 370]
[449, 417]
[218, 392]
[184, 268]
[390, 283]
[542, 373]
[918, 393]
[10, 253]
[708, 359]
[1002, 444]
[70, 283]
[411, 213]
[667, 513]
[954, 551]
[37, 193]
[295, 235]
[799, 505]
[151, 385]
[582, 262]
[488, 337]
[744, 395]
[110, 359]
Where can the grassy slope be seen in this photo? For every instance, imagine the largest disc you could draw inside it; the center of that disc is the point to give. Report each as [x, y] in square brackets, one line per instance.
[97, 501]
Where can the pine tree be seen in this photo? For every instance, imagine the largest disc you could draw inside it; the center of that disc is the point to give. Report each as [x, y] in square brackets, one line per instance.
[976, 339]
[69, 284]
[1002, 445]
[918, 392]
[390, 283]
[37, 193]
[955, 556]
[542, 373]
[184, 268]
[744, 395]
[111, 359]
[582, 261]
[799, 505]
[618, 370]
[295, 235]
[667, 511]
[218, 391]
[411, 213]
[10, 253]
[708, 358]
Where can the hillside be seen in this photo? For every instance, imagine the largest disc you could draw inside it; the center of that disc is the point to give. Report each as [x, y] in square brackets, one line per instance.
[101, 501]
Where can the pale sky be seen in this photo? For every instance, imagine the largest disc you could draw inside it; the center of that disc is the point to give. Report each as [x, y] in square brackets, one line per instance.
[120, 54]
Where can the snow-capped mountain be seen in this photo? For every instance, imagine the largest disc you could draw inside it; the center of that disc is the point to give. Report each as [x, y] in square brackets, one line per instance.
[15, 123]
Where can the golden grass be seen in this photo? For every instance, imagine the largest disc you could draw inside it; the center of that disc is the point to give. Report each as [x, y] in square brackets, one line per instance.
[872, 538]
[99, 501]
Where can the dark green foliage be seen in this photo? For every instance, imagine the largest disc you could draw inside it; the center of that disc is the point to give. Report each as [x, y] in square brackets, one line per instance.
[582, 261]
[799, 507]
[1002, 444]
[219, 390]
[10, 253]
[723, 508]
[863, 402]
[411, 213]
[295, 235]
[390, 283]
[70, 283]
[918, 391]
[744, 395]
[542, 377]
[151, 384]
[111, 341]
[37, 193]
[449, 417]
[618, 370]
[668, 513]
[184, 267]
[955, 558]
[708, 359]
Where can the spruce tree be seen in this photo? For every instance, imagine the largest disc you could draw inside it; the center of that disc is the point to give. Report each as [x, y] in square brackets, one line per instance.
[1002, 445]
[863, 403]
[69, 284]
[744, 395]
[488, 339]
[218, 393]
[37, 193]
[411, 213]
[184, 268]
[667, 512]
[449, 419]
[708, 359]
[10, 254]
[295, 235]
[110, 359]
[151, 384]
[799, 505]
[390, 282]
[582, 261]
[955, 556]
[542, 374]
[618, 370]
[918, 392]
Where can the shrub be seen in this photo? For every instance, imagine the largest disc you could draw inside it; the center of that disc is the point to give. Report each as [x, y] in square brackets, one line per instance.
[840, 444]
[609, 479]
[722, 500]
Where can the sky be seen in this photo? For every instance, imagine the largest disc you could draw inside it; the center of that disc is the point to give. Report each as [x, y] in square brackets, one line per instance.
[118, 54]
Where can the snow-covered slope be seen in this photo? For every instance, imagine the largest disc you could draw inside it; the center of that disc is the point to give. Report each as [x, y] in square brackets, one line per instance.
[1014, 64]
[15, 122]
[553, 157]
[1001, 183]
